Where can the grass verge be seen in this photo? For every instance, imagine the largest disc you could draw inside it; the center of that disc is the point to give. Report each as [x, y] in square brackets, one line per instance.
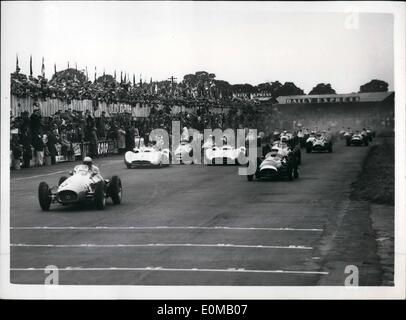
[376, 181]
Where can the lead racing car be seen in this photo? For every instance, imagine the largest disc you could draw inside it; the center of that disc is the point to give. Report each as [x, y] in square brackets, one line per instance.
[85, 185]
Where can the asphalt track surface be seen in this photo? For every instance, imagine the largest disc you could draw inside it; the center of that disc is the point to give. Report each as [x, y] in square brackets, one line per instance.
[195, 225]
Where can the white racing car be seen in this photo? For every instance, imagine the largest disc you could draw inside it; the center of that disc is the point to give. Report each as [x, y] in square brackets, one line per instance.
[147, 157]
[182, 150]
[224, 155]
[81, 187]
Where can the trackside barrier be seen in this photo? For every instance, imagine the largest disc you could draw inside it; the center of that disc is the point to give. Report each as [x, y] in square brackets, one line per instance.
[104, 148]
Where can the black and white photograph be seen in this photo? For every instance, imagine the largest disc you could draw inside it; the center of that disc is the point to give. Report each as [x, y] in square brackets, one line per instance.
[199, 149]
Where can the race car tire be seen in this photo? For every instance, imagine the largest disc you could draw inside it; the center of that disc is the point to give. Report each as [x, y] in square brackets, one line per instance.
[115, 190]
[290, 173]
[43, 196]
[128, 165]
[250, 177]
[61, 180]
[347, 143]
[308, 149]
[299, 158]
[330, 148]
[99, 198]
[296, 173]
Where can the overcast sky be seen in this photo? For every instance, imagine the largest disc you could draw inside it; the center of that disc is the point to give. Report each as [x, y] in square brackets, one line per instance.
[239, 42]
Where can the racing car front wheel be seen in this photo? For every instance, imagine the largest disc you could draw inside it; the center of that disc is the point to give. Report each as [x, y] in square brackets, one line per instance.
[115, 190]
[99, 198]
[44, 196]
[250, 177]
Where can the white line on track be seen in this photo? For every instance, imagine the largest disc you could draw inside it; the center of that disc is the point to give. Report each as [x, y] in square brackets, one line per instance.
[218, 245]
[39, 175]
[165, 228]
[242, 270]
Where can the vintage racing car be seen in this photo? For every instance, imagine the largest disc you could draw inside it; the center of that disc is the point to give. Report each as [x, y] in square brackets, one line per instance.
[182, 150]
[148, 156]
[278, 163]
[357, 139]
[81, 187]
[223, 155]
[319, 142]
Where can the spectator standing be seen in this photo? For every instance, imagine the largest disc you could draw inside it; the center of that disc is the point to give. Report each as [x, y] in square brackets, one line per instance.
[101, 126]
[121, 139]
[35, 122]
[52, 141]
[38, 145]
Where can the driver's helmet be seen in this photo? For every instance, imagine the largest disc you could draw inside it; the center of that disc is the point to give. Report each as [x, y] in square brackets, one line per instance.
[87, 161]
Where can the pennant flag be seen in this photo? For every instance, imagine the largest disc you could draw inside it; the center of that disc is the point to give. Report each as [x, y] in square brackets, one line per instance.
[30, 65]
[17, 67]
[43, 68]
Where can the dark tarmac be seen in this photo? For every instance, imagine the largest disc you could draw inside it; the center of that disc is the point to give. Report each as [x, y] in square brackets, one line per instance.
[199, 225]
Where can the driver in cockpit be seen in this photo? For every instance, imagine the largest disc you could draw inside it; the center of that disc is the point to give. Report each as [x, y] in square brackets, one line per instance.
[88, 164]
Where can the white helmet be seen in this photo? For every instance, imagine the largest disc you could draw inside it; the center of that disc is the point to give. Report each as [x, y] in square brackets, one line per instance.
[87, 160]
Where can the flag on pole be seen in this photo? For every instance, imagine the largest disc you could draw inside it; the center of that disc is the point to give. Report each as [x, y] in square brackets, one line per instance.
[43, 68]
[30, 65]
[54, 68]
[121, 77]
[95, 73]
[114, 75]
[17, 67]
[133, 79]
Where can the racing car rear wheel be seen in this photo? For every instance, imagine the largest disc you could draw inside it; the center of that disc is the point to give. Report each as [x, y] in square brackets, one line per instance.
[44, 196]
[296, 173]
[330, 148]
[289, 173]
[99, 198]
[115, 190]
[61, 180]
[250, 177]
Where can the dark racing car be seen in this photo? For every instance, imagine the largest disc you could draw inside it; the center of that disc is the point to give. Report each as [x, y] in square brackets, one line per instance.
[279, 163]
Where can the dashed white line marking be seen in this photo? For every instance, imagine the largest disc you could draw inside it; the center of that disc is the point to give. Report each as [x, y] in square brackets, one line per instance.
[221, 245]
[166, 228]
[231, 270]
[38, 176]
